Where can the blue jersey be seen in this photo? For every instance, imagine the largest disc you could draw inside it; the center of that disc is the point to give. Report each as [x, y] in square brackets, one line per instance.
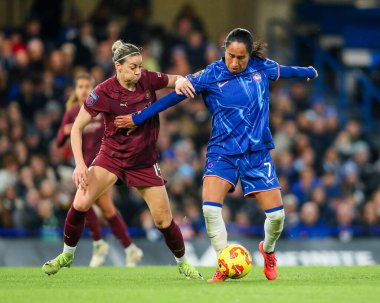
[239, 105]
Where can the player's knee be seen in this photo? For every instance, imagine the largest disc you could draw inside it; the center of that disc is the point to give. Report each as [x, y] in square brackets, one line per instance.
[162, 222]
[277, 216]
[82, 205]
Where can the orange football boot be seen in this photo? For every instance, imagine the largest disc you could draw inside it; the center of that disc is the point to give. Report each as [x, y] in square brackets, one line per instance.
[218, 277]
[270, 268]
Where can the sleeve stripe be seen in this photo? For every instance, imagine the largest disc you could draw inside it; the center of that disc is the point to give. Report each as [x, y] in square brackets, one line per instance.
[278, 72]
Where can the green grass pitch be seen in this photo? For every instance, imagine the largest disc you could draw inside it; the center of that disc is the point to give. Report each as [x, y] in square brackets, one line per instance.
[164, 284]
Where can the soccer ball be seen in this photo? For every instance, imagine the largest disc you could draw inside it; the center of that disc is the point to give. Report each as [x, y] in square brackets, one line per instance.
[235, 261]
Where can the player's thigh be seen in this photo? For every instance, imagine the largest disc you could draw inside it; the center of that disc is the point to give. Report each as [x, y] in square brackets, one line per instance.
[215, 189]
[220, 176]
[157, 200]
[106, 204]
[269, 199]
[99, 180]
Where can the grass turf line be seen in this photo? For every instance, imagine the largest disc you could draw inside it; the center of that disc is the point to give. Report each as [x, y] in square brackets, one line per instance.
[164, 284]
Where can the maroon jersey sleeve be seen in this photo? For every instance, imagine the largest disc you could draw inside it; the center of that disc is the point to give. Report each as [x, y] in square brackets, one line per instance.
[97, 102]
[68, 118]
[157, 80]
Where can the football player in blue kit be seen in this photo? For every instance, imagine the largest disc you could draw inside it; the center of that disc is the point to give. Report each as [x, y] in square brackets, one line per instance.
[235, 90]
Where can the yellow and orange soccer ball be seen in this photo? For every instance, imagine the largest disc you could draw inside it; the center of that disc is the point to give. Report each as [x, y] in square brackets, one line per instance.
[235, 261]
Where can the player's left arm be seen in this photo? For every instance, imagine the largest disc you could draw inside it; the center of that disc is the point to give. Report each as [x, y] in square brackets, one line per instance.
[287, 72]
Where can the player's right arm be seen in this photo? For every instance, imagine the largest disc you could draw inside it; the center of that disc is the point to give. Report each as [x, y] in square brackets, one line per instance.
[81, 170]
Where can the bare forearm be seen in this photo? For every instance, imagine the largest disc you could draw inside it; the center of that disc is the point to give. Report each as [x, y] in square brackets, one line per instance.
[76, 145]
[173, 80]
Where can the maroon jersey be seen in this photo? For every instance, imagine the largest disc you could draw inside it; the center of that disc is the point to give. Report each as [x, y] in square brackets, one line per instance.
[92, 134]
[111, 99]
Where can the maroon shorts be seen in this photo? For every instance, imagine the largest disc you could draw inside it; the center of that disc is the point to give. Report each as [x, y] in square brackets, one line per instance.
[146, 176]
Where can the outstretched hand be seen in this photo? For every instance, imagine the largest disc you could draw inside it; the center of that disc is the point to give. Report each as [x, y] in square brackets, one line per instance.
[125, 122]
[316, 74]
[184, 87]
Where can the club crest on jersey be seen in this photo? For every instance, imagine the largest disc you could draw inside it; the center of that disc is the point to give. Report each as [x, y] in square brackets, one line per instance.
[147, 94]
[210, 165]
[256, 76]
[92, 98]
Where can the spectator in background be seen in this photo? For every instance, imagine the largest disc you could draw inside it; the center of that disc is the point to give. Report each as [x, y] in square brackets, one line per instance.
[196, 48]
[100, 19]
[49, 14]
[35, 49]
[179, 62]
[85, 45]
[345, 219]
[310, 225]
[303, 187]
[136, 29]
[32, 30]
[370, 220]
[291, 209]
[8, 172]
[188, 11]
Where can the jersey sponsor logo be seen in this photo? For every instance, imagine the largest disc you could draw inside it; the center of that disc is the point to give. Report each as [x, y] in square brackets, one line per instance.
[256, 76]
[221, 84]
[92, 98]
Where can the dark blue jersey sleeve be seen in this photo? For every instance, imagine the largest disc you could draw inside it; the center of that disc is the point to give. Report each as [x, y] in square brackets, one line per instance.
[158, 106]
[297, 72]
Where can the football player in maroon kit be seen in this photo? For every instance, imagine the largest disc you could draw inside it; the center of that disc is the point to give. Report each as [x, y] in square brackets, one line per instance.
[123, 157]
[92, 138]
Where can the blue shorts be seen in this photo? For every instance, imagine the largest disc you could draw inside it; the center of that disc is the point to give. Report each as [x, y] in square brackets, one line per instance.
[254, 168]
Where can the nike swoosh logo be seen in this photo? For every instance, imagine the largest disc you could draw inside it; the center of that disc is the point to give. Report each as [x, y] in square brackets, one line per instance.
[270, 180]
[222, 84]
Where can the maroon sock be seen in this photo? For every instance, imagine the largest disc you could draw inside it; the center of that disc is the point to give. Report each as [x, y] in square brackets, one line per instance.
[74, 226]
[174, 239]
[93, 224]
[120, 230]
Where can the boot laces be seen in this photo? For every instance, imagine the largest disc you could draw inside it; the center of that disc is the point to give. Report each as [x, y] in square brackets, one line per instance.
[270, 260]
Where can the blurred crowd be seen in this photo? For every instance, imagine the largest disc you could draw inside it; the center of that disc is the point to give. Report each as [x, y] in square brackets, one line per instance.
[330, 174]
